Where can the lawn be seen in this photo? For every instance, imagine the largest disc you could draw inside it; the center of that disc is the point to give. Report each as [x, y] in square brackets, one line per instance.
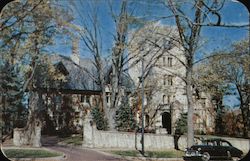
[30, 153]
[151, 154]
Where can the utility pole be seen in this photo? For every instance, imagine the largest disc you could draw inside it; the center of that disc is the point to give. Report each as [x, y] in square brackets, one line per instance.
[142, 104]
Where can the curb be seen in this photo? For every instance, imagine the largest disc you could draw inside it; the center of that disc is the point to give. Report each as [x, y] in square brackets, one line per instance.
[58, 158]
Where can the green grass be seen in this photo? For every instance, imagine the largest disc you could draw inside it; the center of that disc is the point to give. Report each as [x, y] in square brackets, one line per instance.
[151, 154]
[30, 153]
[73, 140]
[131, 153]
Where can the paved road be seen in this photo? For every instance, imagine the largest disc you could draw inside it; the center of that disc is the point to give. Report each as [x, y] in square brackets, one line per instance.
[79, 154]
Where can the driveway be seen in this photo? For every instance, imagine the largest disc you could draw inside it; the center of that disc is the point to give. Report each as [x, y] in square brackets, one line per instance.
[78, 154]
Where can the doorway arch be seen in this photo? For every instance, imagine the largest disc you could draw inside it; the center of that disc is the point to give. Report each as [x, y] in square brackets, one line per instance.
[166, 122]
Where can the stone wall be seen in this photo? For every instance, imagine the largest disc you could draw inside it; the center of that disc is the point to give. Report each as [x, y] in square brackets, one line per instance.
[22, 137]
[128, 140]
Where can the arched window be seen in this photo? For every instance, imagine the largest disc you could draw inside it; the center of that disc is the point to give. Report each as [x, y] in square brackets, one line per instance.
[163, 99]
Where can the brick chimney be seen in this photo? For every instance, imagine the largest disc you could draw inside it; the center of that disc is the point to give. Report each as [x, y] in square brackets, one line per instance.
[75, 56]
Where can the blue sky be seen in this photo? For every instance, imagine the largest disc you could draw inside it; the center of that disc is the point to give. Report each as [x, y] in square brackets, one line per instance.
[215, 38]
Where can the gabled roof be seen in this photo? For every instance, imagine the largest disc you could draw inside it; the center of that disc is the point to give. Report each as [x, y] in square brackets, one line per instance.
[77, 77]
[83, 77]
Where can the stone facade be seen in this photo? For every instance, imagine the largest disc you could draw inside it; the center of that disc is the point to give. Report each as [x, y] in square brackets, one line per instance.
[164, 68]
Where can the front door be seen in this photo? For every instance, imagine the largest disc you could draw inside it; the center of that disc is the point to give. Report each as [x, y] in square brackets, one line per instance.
[166, 121]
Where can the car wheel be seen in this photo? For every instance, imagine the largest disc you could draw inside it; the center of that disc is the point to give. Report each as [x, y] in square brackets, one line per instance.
[205, 156]
[235, 158]
[229, 156]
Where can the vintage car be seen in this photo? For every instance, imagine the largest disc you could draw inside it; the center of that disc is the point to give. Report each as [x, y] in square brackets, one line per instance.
[212, 149]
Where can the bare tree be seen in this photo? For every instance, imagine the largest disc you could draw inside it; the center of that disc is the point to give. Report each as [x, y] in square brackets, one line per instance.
[92, 37]
[189, 29]
[204, 13]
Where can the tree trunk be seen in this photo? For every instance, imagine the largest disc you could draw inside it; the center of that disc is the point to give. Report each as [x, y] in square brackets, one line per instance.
[245, 111]
[190, 125]
[117, 60]
[107, 110]
[34, 124]
[246, 120]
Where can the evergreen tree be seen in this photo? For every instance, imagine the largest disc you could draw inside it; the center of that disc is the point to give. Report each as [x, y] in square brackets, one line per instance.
[99, 118]
[124, 118]
[181, 125]
[180, 129]
[13, 109]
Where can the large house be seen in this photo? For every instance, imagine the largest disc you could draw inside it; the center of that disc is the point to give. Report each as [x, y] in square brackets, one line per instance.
[164, 74]
[79, 92]
[164, 71]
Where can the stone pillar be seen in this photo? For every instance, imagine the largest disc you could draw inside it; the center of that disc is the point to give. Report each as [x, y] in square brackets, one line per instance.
[23, 136]
[88, 131]
[36, 142]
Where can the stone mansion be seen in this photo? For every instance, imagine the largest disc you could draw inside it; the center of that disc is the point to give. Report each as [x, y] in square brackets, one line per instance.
[164, 70]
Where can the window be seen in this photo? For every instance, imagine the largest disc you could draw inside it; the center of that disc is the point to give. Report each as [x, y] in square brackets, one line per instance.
[108, 98]
[164, 80]
[170, 80]
[223, 143]
[169, 97]
[58, 99]
[163, 99]
[82, 98]
[87, 99]
[170, 62]
[164, 61]
[146, 120]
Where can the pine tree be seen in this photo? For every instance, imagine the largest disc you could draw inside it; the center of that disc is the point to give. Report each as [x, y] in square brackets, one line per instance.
[99, 118]
[124, 118]
[11, 85]
[181, 125]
